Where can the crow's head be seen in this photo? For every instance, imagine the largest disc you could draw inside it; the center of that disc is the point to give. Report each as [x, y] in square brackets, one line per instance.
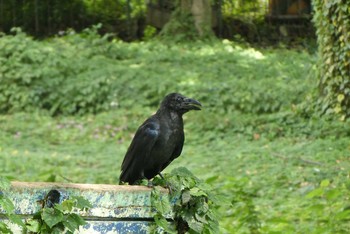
[180, 103]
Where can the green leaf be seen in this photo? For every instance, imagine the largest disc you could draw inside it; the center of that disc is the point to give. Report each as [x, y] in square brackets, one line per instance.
[4, 183]
[203, 208]
[197, 192]
[185, 196]
[73, 221]
[6, 204]
[324, 183]
[201, 218]
[343, 215]
[51, 216]
[4, 228]
[16, 219]
[81, 203]
[333, 194]
[211, 180]
[315, 193]
[65, 206]
[33, 225]
[318, 208]
[163, 223]
[57, 230]
[195, 225]
[182, 171]
[160, 203]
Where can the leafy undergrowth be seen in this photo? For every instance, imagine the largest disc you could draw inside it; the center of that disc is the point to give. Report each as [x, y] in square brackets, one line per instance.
[282, 170]
[85, 73]
[191, 200]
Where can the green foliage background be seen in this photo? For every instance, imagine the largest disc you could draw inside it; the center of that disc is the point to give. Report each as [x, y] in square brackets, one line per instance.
[85, 73]
[47, 18]
[70, 105]
[332, 20]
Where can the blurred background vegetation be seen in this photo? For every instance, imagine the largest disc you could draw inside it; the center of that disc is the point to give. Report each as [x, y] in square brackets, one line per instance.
[78, 78]
[254, 20]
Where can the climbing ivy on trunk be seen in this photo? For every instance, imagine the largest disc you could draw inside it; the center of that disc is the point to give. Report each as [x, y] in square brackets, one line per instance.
[332, 21]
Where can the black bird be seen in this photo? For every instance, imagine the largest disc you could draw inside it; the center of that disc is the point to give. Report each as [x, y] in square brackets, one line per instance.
[158, 141]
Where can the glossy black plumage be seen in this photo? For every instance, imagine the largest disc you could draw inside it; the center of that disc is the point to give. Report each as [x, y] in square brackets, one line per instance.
[158, 141]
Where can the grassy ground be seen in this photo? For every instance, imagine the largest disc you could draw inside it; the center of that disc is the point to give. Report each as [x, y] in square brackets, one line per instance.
[281, 171]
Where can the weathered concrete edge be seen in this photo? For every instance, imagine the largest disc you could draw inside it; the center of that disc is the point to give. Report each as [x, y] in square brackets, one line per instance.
[109, 201]
[98, 187]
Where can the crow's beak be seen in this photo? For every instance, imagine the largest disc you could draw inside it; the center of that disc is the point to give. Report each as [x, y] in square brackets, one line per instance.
[192, 104]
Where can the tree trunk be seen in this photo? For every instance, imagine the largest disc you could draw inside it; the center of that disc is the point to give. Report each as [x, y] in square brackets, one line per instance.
[332, 21]
[191, 18]
[201, 11]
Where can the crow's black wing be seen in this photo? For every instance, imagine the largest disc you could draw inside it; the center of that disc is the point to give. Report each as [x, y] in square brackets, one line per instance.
[177, 151]
[179, 147]
[139, 151]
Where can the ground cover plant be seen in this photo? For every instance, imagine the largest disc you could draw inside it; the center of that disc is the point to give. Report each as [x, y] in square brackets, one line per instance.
[69, 106]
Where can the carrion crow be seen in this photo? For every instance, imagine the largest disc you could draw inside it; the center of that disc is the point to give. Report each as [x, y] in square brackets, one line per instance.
[158, 141]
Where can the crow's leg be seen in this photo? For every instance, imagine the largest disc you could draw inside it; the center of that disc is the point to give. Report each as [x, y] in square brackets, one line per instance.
[161, 176]
[149, 184]
[167, 185]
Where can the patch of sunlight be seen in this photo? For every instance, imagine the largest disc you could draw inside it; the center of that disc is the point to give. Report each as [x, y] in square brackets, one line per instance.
[206, 50]
[228, 46]
[67, 157]
[49, 49]
[226, 42]
[248, 52]
[252, 53]
[190, 80]
[135, 65]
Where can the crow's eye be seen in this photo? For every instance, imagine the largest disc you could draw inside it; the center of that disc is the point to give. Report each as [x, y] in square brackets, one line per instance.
[178, 99]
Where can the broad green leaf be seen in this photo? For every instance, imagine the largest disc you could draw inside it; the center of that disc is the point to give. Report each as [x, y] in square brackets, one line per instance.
[315, 193]
[324, 183]
[185, 196]
[201, 218]
[14, 218]
[4, 228]
[163, 223]
[73, 221]
[210, 180]
[182, 171]
[6, 204]
[4, 183]
[333, 194]
[57, 230]
[195, 225]
[319, 208]
[65, 206]
[197, 192]
[51, 216]
[33, 225]
[343, 215]
[77, 219]
[161, 204]
[81, 203]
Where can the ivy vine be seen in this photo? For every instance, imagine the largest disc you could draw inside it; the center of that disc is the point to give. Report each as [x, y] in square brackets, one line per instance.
[192, 204]
[332, 21]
